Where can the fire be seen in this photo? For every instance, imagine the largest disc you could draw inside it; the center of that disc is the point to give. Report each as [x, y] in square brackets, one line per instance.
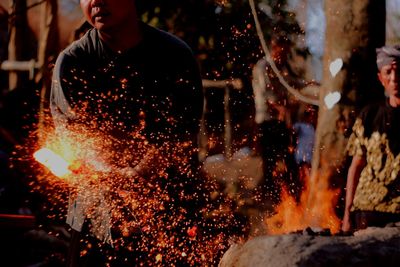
[54, 162]
[316, 209]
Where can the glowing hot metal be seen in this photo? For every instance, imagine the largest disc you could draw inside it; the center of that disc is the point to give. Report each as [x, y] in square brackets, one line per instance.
[55, 163]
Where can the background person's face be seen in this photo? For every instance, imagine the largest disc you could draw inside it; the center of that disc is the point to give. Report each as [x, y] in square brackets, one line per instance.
[108, 15]
[389, 76]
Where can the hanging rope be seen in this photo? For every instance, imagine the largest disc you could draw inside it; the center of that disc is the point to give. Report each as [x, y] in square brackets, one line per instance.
[260, 34]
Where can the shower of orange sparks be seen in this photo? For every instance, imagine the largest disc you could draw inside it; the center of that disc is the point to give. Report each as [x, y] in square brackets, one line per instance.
[93, 163]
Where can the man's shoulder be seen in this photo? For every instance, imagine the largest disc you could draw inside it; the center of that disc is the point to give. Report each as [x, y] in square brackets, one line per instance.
[86, 45]
[373, 109]
[373, 116]
[163, 40]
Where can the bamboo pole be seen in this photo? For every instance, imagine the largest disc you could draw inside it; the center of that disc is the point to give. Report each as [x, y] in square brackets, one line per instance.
[18, 25]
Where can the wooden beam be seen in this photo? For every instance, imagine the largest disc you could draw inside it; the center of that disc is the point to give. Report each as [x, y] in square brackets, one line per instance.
[31, 66]
[236, 84]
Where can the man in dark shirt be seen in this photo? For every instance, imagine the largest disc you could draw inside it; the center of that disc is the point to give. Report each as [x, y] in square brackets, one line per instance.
[125, 79]
[151, 71]
[373, 181]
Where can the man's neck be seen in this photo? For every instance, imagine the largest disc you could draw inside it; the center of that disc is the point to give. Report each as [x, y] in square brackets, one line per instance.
[123, 38]
[394, 101]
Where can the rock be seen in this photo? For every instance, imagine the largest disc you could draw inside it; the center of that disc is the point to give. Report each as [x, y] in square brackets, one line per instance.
[367, 248]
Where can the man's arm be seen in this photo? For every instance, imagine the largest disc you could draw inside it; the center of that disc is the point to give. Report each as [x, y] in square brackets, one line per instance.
[60, 108]
[353, 176]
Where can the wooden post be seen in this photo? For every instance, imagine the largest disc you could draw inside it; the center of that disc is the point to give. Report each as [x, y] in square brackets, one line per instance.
[227, 85]
[47, 51]
[49, 37]
[18, 32]
[203, 137]
[227, 124]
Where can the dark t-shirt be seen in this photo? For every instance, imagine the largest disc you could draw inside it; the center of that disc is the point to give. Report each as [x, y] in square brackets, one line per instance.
[383, 118]
[154, 87]
[375, 137]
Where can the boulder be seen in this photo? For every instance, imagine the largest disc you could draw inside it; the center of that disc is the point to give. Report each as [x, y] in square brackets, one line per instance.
[370, 247]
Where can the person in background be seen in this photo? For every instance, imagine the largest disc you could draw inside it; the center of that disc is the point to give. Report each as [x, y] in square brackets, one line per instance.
[273, 118]
[305, 133]
[373, 180]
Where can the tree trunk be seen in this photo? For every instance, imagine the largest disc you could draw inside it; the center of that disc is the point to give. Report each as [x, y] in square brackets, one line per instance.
[354, 30]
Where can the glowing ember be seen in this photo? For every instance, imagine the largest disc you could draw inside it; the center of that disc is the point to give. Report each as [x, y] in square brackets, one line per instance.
[192, 232]
[55, 163]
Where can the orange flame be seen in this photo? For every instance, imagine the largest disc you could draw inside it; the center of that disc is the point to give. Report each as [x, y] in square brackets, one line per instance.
[316, 209]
